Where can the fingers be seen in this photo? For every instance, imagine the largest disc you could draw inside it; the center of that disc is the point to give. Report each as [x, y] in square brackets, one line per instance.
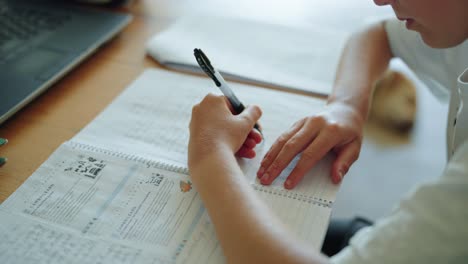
[247, 149]
[229, 105]
[284, 151]
[251, 115]
[274, 150]
[245, 152]
[339, 128]
[345, 157]
[251, 112]
[255, 135]
[310, 156]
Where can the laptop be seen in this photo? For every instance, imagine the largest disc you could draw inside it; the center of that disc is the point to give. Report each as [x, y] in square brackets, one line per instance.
[40, 41]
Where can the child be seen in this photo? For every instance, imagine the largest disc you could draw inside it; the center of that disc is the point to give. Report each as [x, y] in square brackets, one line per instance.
[427, 227]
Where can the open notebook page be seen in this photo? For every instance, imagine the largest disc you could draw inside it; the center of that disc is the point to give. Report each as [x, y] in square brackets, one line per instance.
[151, 119]
[296, 58]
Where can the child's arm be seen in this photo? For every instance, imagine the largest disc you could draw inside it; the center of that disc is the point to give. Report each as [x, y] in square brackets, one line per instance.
[247, 230]
[339, 128]
[363, 61]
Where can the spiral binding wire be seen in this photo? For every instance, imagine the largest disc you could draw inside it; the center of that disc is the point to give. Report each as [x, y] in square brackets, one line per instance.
[296, 196]
[184, 170]
[130, 157]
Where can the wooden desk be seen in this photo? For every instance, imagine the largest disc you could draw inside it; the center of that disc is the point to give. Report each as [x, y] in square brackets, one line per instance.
[59, 113]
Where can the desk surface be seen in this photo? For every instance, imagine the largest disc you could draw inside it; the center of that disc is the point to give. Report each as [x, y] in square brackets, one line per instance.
[58, 114]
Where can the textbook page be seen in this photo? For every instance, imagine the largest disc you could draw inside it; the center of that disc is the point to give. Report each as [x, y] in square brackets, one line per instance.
[110, 196]
[30, 240]
[101, 206]
[302, 59]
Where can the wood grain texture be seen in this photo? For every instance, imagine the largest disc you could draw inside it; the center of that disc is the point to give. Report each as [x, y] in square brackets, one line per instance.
[66, 107]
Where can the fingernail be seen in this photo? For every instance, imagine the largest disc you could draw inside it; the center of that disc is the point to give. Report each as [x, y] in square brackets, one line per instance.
[340, 175]
[260, 172]
[3, 160]
[259, 131]
[288, 184]
[3, 141]
[265, 178]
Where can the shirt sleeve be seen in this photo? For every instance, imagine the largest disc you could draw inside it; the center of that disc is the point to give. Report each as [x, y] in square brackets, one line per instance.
[427, 227]
[429, 64]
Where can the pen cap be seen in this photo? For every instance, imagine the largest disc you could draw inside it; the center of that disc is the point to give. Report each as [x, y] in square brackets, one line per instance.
[205, 65]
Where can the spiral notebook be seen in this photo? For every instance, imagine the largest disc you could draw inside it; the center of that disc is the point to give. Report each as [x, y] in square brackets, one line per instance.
[301, 59]
[119, 191]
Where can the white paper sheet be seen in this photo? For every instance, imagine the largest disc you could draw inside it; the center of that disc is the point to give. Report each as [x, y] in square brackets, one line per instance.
[296, 58]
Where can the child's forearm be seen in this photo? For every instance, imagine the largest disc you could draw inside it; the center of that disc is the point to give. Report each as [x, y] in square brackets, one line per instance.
[247, 230]
[363, 61]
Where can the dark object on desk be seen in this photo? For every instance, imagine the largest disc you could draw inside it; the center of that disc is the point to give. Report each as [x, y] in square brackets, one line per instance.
[340, 231]
[42, 40]
[3, 160]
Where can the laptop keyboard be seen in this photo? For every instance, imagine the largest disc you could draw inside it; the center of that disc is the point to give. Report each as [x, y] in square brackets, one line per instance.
[20, 24]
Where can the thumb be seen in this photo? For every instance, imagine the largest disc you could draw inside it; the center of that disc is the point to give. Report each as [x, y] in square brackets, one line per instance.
[344, 159]
[251, 114]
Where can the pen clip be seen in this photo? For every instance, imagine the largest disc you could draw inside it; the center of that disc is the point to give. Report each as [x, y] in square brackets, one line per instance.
[206, 66]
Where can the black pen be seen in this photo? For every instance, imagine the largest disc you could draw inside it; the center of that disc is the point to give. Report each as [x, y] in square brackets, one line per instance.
[219, 81]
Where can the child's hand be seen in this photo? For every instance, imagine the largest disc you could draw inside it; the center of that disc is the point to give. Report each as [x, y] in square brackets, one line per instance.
[214, 128]
[338, 128]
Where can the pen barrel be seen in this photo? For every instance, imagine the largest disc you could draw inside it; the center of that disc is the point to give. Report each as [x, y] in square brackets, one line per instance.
[238, 107]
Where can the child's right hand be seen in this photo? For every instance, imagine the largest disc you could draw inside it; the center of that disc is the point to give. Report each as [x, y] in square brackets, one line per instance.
[214, 128]
[339, 129]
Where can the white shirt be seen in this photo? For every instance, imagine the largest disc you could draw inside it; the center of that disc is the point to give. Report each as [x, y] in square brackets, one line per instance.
[439, 69]
[431, 224]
